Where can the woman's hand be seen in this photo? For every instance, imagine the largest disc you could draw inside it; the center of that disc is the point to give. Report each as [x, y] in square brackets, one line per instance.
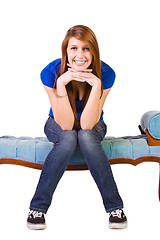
[85, 76]
[90, 78]
[70, 75]
[65, 78]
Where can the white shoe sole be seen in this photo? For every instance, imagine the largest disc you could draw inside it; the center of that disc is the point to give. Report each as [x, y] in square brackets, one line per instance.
[36, 226]
[118, 225]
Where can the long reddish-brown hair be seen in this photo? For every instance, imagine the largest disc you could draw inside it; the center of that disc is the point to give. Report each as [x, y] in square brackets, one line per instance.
[85, 34]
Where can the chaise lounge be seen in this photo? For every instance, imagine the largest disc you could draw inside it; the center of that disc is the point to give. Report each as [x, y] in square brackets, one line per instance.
[32, 152]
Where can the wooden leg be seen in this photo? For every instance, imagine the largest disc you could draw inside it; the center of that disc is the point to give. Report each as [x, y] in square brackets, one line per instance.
[159, 182]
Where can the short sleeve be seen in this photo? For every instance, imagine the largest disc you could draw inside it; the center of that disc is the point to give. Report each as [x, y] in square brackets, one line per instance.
[47, 77]
[48, 74]
[107, 75]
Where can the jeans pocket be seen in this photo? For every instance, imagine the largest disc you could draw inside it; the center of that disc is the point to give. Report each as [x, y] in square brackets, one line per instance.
[52, 130]
[102, 129]
[51, 135]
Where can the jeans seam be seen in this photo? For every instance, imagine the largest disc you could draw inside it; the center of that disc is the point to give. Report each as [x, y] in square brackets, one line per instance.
[38, 209]
[101, 184]
[115, 208]
[49, 129]
[57, 134]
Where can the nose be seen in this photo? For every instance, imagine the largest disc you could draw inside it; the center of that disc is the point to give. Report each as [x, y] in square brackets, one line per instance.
[80, 53]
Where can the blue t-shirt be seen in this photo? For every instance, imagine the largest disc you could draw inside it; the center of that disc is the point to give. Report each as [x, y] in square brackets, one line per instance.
[48, 76]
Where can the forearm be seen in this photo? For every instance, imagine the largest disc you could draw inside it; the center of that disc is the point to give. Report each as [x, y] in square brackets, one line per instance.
[91, 113]
[63, 113]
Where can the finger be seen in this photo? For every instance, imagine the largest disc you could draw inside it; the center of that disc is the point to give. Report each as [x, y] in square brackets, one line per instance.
[68, 64]
[79, 72]
[87, 70]
[80, 76]
[71, 70]
[84, 71]
[78, 80]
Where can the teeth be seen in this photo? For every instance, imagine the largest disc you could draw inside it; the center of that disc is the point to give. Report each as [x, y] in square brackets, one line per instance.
[77, 61]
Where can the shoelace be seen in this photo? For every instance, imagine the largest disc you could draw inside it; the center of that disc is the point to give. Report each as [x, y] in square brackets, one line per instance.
[35, 214]
[117, 213]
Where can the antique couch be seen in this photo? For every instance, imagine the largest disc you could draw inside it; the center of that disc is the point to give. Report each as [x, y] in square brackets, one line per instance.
[31, 152]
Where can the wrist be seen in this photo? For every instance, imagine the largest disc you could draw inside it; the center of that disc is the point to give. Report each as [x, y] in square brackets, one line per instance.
[96, 89]
[61, 89]
[97, 84]
[60, 96]
[60, 82]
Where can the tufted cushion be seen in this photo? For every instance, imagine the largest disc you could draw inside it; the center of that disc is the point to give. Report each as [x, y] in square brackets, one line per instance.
[36, 149]
[151, 121]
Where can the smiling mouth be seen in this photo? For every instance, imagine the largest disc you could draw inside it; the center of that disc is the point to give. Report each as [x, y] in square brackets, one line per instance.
[80, 62]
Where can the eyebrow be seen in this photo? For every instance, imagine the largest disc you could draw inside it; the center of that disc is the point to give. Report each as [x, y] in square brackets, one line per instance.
[73, 45]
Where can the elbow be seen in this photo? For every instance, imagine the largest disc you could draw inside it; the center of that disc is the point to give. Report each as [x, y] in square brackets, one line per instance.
[65, 126]
[85, 126]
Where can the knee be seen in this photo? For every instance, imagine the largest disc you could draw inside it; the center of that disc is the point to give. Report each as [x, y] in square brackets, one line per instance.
[85, 136]
[65, 137]
[69, 138]
[87, 141]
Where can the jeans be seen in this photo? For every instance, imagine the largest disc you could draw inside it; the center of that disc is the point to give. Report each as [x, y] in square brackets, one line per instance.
[65, 143]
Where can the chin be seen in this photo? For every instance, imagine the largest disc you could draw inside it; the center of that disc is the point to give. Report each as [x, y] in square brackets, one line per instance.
[80, 68]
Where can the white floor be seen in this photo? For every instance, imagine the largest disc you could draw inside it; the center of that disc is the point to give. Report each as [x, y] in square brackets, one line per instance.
[77, 211]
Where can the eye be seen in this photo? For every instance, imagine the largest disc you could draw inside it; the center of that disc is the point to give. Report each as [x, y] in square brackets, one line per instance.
[86, 49]
[73, 48]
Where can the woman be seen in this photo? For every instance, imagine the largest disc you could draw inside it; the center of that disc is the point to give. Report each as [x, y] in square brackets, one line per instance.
[77, 86]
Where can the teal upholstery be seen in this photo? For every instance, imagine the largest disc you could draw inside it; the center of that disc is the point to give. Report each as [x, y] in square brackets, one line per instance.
[151, 121]
[130, 147]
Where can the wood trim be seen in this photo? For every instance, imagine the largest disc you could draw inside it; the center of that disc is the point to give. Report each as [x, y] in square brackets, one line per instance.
[133, 162]
[37, 165]
[151, 140]
[84, 166]
[21, 163]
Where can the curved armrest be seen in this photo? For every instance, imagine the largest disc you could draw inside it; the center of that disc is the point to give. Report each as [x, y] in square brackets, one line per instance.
[151, 121]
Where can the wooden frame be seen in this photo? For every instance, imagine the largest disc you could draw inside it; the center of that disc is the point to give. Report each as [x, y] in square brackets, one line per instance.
[133, 162]
[151, 142]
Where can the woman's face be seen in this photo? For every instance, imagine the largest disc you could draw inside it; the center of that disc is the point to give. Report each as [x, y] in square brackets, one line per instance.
[79, 54]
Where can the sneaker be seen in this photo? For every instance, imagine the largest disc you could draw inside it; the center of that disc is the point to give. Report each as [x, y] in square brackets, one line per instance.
[36, 220]
[117, 219]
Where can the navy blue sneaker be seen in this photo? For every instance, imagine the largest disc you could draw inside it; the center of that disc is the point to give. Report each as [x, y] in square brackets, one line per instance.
[117, 219]
[36, 220]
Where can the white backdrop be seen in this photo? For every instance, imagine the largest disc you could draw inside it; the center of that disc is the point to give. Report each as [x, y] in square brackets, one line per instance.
[31, 36]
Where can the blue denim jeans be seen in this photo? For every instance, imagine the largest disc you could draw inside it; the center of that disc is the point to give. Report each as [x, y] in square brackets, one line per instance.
[65, 143]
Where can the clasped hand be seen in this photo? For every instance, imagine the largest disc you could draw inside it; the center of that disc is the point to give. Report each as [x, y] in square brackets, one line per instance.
[83, 76]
